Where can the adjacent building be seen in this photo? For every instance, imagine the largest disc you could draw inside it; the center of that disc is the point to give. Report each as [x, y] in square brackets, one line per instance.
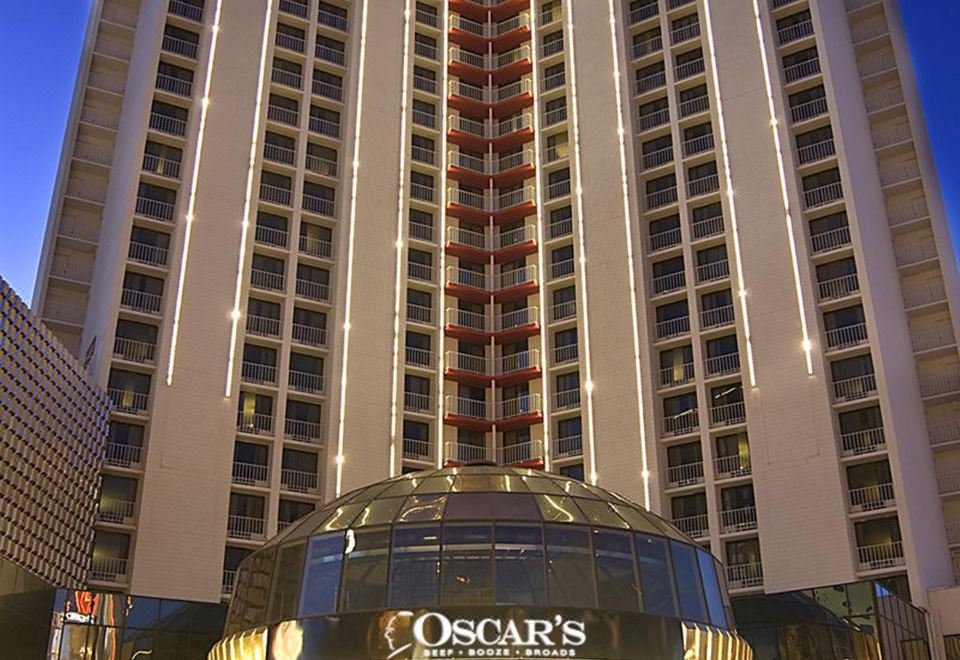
[694, 252]
[53, 425]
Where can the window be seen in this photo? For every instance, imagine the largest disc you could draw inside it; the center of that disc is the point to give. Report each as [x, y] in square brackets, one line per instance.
[617, 584]
[656, 576]
[321, 580]
[711, 587]
[519, 565]
[570, 568]
[573, 471]
[415, 567]
[466, 575]
[286, 590]
[365, 572]
[689, 586]
[292, 510]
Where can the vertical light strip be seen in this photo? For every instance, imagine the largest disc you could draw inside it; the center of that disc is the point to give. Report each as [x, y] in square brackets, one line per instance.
[192, 201]
[399, 269]
[247, 200]
[781, 170]
[728, 180]
[348, 304]
[587, 369]
[442, 212]
[631, 272]
[544, 342]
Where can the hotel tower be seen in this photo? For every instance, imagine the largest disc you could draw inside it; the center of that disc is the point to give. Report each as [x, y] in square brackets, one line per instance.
[693, 251]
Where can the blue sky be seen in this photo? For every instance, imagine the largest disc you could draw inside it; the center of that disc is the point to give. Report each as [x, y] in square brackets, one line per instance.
[38, 82]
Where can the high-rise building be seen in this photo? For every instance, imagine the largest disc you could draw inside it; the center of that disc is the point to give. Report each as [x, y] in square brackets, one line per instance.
[53, 425]
[689, 250]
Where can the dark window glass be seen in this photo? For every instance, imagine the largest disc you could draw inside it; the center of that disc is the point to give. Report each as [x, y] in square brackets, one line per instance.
[415, 567]
[466, 572]
[617, 584]
[689, 589]
[711, 587]
[656, 576]
[283, 604]
[520, 576]
[365, 572]
[570, 578]
[321, 579]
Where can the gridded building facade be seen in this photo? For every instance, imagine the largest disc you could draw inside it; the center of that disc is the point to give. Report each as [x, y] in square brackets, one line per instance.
[53, 425]
[688, 250]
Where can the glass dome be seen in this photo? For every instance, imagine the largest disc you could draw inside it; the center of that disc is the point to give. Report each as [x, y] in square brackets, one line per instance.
[478, 535]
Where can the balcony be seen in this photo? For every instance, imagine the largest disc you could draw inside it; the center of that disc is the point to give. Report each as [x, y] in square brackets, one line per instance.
[728, 414]
[186, 10]
[918, 251]
[706, 227]
[294, 7]
[685, 33]
[932, 337]
[298, 481]
[897, 173]
[880, 556]
[652, 120]
[133, 351]
[319, 205]
[795, 32]
[418, 357]
[566, 399]
[419, 272]
[317, 291]
[694, 106]
[830, 240]
[875, 63]
[703, 186]
[730, 467]
[277, 154]
[745, 576]
[698, 145]
[920, 294]
[801, 70]
[327, 90]
[246, 528]
[647, 47]
[417, 402]
[227, 581]
[561, 269]
[688, 474]
[164, 167]
[884, 99]
[714, 271]
[838, 287]
[696, 527]
[665, 240]
[174, 85]
[657, 158]
[846, 336]
[275, 194]
[283, 115]
[661, 198]
[718, 317]
[154, 209]
[650, 83]
[255, 423]
[266, 280]
[140, 301]
[511, 413]
[676, 375]
[325, 127]
[689, 69]
[417, 450]
[672, 328]
[286, 78]
[249, 474]
[681, 423]
[738, 520]
[108, 569]
[814, 153]
[263, 326]
[116, 512]
[871, 498]
[309, 335]
[945, 381]
[521, 452]
[722, 365]
[854, 389]
[568, 446]
[866, 441]
[301, 430]
[167, 124]
[123, 456]
[261, 374]
[809, 110]
[128, 401]
[264, 235]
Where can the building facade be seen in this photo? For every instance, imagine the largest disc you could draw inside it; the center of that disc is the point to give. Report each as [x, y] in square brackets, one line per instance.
[53, 425]
[691, 251]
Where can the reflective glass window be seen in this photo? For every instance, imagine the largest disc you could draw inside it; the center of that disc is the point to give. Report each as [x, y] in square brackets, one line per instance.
[711, 587]
[520, 576]
[570, 577]
[321, 579]
[379, 512]
[415, 567]
[689, 589]
[365, 570]
[617, 586]
[422, 508]
[286, 588]
[466, 565]
[656, 576]
[557, 508]
[600, 513]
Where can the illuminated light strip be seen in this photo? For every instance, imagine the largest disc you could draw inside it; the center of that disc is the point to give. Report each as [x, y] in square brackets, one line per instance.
[442, 211]
[625, 190]
[588, 386]
[742, 289]
[540, 236]
[194, 180]
[399, 269]
[781, 169]
[350, 247]
[247, 200]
